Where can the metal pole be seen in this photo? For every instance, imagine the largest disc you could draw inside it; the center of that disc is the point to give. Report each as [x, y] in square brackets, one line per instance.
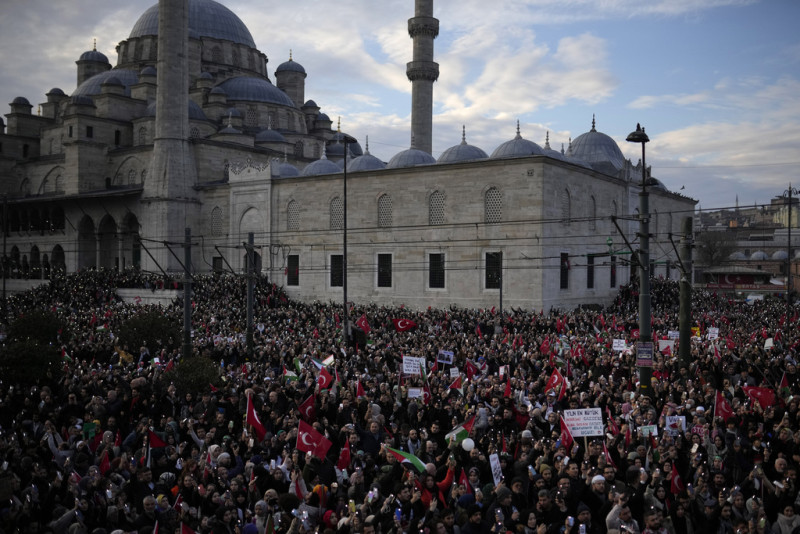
[344, 250]
[685, 320]
[5, 262]
[788, 194]
[250, 267]
[187, 296]
[501, 288]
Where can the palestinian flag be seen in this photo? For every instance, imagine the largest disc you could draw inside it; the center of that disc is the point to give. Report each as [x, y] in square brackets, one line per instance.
[407, 459]
[289, 376]
[461, 432]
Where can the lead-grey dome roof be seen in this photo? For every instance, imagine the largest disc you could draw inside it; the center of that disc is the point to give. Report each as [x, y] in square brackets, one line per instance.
[195, 111]
[737, 256]
[321, 166]
[780, 255]
[410, 158]
[290, 66]
[251, 89]
[598, 150]
[462, 151]
[287, 170]
[21, 100]
[517, 147]
[56, 91]
[758, 255]
[206, 19]
[93, 55]
[270, 136]
[92, 86]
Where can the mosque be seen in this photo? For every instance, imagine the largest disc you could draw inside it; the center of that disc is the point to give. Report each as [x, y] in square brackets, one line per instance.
[187, 139]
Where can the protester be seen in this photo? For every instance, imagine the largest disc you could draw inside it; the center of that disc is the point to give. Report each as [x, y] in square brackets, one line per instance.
[311, 433]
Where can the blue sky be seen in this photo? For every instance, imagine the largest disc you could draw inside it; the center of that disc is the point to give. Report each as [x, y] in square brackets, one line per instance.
[716, 83]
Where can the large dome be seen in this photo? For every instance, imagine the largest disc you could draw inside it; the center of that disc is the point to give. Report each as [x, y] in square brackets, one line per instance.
[93, 86]
[517, 147]
[251, 89]
[206, 19]
[410, 158]
[462, 151]
[598, 150]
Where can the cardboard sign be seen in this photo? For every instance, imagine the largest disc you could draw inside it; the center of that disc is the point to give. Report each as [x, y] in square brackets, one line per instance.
[412, 365]
[584, 422]
[497, 470]
[414, 393]
[454, 372]
[445, 356]
[673, 334]
[676, 424]
[648, 430]
[618, 345]
[713, 333]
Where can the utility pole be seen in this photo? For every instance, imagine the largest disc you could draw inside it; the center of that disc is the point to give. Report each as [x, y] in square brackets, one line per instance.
[644, 349]
[685, 285]
[187, 295]
[250, 261]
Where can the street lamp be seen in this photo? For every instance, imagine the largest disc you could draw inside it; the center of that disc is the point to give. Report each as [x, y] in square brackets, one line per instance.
[788, 196]
[644, 349]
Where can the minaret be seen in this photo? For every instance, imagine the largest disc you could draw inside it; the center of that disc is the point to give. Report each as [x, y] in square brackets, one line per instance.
[422, 72]
[168, 199]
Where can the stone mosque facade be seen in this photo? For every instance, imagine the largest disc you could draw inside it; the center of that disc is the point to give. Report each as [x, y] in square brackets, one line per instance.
[188, 131]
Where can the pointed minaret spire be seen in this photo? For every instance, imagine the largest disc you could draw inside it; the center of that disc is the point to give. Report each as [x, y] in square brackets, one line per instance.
[562, 149]
[339, 125]
[94, 44]
[230, 115]
[569, 149]
[285, 159]
[366, 152]
[324, 151]
[463, 134]
[547, 141]
[518, 136]
[290, 55]
[593, 123]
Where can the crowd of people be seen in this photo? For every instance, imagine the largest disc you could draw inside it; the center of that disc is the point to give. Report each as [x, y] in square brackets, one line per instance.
[311, 433]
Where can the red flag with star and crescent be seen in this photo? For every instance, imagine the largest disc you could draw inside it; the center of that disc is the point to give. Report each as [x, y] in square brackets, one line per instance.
[309, 440]
[253, 420]
[308, 409]
[324, 379]
[566, 435]
[764, 396]
[363, 323]
[404, 325]
[344, 456]
[722, 408]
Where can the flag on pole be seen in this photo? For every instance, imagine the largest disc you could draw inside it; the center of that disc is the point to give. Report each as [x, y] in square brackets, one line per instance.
[253, 420]
[309, 440]
[289, 376]
[403, 325]
[363, 324]
[344, 456]
[722, 408]
[360, 390]
[407, 459]
[457, 385]
[461, 432]
[324, 379]
[764, 396]
[308, 409]
[566, 436]
[464, 481]
[676, 483]
[607, 454]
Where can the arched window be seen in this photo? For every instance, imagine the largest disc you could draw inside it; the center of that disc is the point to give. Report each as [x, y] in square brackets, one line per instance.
[298, 149]
[493, 205]
[337, 214]
[216, 221]
[385, 211]
[436, 208]
[251, 116]
[593, 214]
[293, 215]
[131, 177]
[142, 135]
[194, 133]
[566, 207]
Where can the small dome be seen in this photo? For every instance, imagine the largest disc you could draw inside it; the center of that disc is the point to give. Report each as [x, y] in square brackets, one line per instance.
[20, 101]
[550, 152]
[598, 150]
[323, 117]
[113, 80]
[321, 166]
[206, 76]
[780, 255]
[56, 91]
[517, 147]
[758, 255]
[287, 170]
[148, 71]
[206, 19]
[195, 111]
[462, 151]
[270, 136]
[737, 256]
[655, 183]
[93, 86]
[230, 130]
[93, 55]
[410, 158]
[290, 66]
[367, 162]
[218, 91]
[251, 89]
[310, 104]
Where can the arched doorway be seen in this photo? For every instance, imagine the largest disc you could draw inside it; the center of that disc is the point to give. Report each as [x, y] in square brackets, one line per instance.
[36, 263]
[87, 244]
[57, 262]
[131, 246]
[109, 246]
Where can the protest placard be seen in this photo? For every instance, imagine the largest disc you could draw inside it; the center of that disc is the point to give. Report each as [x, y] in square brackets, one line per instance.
[412, 365]
[584, 422]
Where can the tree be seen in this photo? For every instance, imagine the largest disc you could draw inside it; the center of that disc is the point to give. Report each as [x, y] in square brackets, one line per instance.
[714, 248]
[29, 362]
[152, 329]
[43, 327]
[194, 374]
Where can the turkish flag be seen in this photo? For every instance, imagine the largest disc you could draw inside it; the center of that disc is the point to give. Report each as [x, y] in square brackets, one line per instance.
[676, 484]
[308, 410]
[404, 325]
[722, 408]
[556, 380]
[363, 324]
[324, 379]
[635, 333]
[344, 456]
[253, 420]
[471, 369]
[764, 396]
[566, 436]
[309, 440]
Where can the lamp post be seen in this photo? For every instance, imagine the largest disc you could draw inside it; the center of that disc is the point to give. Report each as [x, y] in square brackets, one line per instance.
[644, 350]
[344, 249]
[788, 196]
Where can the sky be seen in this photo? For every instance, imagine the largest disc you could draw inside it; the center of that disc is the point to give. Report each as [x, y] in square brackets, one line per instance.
[715, 83]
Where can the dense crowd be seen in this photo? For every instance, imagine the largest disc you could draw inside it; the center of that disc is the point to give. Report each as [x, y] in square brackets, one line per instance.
[310, 433]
